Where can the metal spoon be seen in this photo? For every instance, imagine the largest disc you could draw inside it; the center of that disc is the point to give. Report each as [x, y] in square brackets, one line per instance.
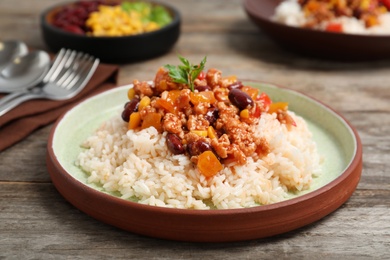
[10, 50]
[24, 72]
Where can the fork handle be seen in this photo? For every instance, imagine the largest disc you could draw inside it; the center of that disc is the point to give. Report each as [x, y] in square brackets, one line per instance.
[12, 100]
[7, 98]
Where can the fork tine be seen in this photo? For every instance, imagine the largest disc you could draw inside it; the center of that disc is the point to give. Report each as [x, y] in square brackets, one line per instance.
[66, 66]
[55, 64]
[72, 66]
[69, 62]
[84, 66]
[84, 75]
[60, 68]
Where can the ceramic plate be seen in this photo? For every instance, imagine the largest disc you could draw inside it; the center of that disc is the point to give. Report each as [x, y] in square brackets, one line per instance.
[337, 141]
[337, 46]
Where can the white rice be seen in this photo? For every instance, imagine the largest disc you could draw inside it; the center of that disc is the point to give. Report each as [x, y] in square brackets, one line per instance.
[139, 166]
[289, 12]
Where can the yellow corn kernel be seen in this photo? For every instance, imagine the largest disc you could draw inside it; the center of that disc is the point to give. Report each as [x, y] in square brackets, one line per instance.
[145, 101]
[244, 113]
[202, 133]
[99, 33]
[114, 21]
[131, 93]
[151, 27]
[111, 33]
[126, 29]
[117, 10]
[135, 120]
[211, 133]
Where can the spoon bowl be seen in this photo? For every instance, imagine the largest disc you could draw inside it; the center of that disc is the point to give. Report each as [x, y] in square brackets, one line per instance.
[10, 50]
[24, 72]
[68, 75]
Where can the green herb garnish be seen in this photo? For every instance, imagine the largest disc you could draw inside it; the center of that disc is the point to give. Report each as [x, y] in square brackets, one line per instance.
[186, 73]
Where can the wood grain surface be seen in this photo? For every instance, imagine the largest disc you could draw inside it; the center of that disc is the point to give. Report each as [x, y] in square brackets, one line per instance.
[37, 223]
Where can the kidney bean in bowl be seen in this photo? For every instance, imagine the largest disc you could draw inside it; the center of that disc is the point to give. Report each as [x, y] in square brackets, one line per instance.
[65, 26]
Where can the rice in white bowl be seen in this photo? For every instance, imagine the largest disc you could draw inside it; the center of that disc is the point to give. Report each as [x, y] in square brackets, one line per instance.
[140, 167]
[289, 12]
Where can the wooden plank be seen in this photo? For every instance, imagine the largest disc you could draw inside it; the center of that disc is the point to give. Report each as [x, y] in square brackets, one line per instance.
[37, 222]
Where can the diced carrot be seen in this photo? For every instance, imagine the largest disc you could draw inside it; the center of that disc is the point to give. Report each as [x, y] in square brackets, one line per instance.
[365, 4]
[232, 78]
[252, 92]
[229, 80]
[371, 21]
[208, 164]
[152, 119]
[204, 96]
[274, 107]
[383, 9]
[173, 95]
[162, 103]
[311, 7]
[135, 120]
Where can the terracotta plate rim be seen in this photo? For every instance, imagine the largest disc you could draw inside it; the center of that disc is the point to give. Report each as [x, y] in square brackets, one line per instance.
[247, 6]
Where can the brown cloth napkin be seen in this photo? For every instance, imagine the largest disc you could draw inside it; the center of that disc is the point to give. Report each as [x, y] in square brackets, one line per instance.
[21, 121]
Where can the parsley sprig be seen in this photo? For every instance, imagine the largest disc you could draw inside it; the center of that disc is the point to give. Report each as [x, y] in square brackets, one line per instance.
[186, 73]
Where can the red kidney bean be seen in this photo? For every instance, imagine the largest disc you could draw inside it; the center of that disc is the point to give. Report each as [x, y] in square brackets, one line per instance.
[212, 115]
[235, 85]
[240, 99]
[198, 147]
[74, 29]
[72, 18]
[125, 115]
[130, 107]
[174, 144]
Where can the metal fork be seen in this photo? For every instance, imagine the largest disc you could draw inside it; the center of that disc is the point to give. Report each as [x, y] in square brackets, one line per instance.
[68, 75]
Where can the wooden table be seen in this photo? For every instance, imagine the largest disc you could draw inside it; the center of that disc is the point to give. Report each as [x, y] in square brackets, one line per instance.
[36, 222]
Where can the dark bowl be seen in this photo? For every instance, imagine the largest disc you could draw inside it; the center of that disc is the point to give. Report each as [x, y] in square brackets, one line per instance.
[328, 45]
[123, 49]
